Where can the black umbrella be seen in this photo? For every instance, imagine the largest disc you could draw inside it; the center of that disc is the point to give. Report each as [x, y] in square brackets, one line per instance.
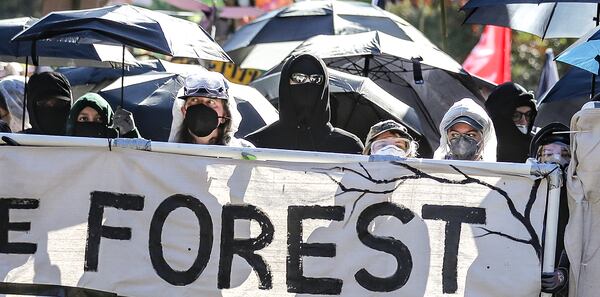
[150, 98]
[263, 43]
[565, 98]
[395, 65]
[544, 18]
[56, 53]
[357, 103]
[127, 25]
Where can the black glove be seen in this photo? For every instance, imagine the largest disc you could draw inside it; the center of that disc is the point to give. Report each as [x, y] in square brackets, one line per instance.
[553, 282]
[123, 121]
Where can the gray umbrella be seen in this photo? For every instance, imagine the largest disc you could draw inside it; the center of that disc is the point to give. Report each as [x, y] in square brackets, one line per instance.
[357, 103]
[547, 19]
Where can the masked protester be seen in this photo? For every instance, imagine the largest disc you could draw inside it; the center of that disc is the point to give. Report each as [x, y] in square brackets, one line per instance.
[12, 90]
[513, 111]
[92, 116]
[206, 115]
[467, 133]
[304, 112]
[548, 146]
[390, 138]
[48, 103]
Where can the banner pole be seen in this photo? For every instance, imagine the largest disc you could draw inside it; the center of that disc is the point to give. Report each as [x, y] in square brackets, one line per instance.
[555, 181]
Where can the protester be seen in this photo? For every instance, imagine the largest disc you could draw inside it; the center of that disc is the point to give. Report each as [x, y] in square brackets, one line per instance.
[207, 114]
[390, 138]
[547, 146]
[12, 89]
[513, 111]
[304, 112]
[49, 100]
[92, 116]
[467, 133]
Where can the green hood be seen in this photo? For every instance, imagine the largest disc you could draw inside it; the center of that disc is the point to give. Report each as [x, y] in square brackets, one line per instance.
[94, 101]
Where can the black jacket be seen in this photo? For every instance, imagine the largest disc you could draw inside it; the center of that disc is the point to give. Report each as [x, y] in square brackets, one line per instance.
[304, 114]
[513, 146]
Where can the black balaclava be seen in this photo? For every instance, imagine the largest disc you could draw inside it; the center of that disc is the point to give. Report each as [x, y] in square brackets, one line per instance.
[49, 118]
[201, 120]
[305, 99]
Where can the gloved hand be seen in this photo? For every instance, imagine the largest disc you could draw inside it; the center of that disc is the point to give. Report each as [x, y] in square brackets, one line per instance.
[553, 282]
[123, 121]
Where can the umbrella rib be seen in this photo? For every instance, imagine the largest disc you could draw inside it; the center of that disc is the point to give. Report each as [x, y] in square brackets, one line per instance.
[549, 20]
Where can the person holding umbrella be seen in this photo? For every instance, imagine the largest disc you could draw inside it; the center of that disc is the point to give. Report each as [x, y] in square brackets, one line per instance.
[305, 112]
[49, 100]
[207, 113]
[513, 111]
[467, 134]
[92, 116]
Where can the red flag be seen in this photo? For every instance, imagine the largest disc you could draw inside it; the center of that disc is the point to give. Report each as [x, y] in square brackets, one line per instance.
[490, 58]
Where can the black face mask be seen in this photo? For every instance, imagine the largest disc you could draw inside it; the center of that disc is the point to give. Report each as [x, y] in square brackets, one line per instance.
[92, 129]
[201, 120]
[52, 119]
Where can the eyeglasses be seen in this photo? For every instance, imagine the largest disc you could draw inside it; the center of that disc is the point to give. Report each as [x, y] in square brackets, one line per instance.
[301, 78]
[518, 115]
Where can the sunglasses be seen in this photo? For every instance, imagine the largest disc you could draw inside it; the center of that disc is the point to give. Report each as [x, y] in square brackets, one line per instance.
[301, 78]
[518, 115]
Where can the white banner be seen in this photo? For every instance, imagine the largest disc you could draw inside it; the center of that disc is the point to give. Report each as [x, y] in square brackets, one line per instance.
[138, 223]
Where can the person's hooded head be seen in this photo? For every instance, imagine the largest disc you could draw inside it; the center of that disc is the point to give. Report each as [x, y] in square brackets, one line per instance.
[304, 92]
[48, 102]
[552, 145]
[207, 114]
[512, 109]
[467, 133]
[91, 116]
[391, 138]
[12, 89]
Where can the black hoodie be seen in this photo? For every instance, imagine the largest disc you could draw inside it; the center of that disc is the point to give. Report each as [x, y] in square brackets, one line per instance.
[513, 146]
[44, 119]
[304, 114]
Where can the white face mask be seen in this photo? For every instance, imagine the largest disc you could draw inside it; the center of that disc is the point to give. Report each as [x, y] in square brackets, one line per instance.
[522, 128]
[391, 150]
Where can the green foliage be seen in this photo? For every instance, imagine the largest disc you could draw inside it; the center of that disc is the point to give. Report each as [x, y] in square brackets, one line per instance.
[20, 8]
[527, 55]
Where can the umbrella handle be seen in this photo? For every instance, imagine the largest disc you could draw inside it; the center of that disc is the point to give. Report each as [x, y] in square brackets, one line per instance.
[122, 76]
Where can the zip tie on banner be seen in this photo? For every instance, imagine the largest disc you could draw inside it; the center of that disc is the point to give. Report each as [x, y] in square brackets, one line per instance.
[136, 144]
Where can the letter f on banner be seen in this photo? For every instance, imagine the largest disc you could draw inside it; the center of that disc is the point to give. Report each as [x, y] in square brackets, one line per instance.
[98, 201]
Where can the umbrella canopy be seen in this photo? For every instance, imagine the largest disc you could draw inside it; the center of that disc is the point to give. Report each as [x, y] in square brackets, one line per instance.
[56, 53]
[302, 20]
[375, 54]
[357, 103]
[127, 25]
[566, 98]
[150, 98]
[584, 53]
[547, 19]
